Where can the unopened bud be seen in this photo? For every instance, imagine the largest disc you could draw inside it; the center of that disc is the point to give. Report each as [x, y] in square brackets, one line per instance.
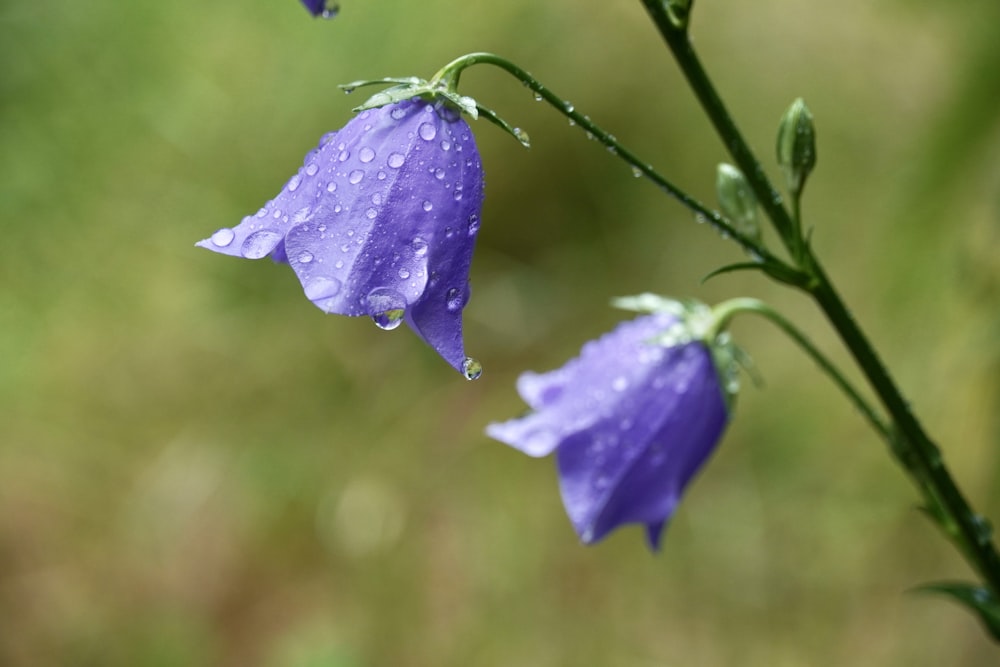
[797, 145]
[737, 200]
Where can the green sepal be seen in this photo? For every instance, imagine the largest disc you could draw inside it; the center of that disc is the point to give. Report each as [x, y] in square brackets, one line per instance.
[732, 268]
[439, 89]
[978, 599]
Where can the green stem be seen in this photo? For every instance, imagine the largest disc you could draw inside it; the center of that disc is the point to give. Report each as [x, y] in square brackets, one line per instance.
[727, 309]
[449, 74]
[919, 455]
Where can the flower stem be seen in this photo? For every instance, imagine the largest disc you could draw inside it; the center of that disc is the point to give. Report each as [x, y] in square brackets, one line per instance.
[913, 448]
[727, 309]
[450, 73]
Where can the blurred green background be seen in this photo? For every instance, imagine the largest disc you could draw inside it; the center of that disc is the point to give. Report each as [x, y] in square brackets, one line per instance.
[197, 467]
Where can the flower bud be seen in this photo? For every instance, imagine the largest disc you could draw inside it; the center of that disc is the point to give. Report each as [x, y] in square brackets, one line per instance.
[737, 200]
[797, 145]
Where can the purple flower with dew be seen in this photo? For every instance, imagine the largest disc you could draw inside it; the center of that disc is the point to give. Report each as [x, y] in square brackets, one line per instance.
[631, 421]
[381, 220]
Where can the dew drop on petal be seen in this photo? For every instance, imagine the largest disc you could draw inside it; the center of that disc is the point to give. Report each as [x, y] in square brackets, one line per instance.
[312, 169]
[223, 237]
[259, 244]
[427, 131]
[398, 113]
[366, 154]
[371, 213]
[427, 205]
[445, 145]
[355, 176]
[381, 175]
[395, 160]
[344, 155]
[455, 299]
[419, 247]
[471, 369]
[321, 288]
[439, 174]
[377, 198]
[404, 273]
[305, 257]
[473, 224]
[386, 307]
[293, 183]
[331, 186]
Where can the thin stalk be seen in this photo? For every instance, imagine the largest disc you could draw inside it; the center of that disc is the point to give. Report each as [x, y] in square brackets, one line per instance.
[920, 457]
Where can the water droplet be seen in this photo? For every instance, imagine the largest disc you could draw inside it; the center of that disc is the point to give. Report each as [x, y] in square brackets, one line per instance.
[260, 244]
[223, 237]
[331, 186]
[427, 205]
[371, 213]
[293, 183]
[471, 369]
[339, 264]
[620, 383]
[397, 113]
[568, 107]
[404, 273]
[321, 288]
[456, 299]
[381, 175]
[445, 145]
[521, 136]
[344, 154]
[396, 160]
[366, 154]
[636, 172]
[419, 247]
[277, 214]
[337, 208]
[386, 307]
[439, 174]
[355, 176]
[473, 224]
[312, 169]
[538, 97]
[377, 198]
[305, 257]
[457, 194]
[427, 131]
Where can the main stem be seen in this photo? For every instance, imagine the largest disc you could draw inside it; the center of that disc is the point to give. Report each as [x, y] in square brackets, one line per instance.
[918, 454]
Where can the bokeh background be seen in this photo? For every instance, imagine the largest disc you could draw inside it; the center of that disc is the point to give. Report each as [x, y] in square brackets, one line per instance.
[198, 467]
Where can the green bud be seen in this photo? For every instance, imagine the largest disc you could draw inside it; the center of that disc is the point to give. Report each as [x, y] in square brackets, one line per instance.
[797, 145]
[737, 200]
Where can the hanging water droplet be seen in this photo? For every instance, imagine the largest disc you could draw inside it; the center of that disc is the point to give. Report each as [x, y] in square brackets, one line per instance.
[223, 237]
[538, 97]
[386, 307]
[521, 136]
[305, 257]
[259, 244]
[396, 160]
[321, 287]
[636, 172]
[366, 154]
[355, 176]
[427, 131]
[984, 529]
[471, 369]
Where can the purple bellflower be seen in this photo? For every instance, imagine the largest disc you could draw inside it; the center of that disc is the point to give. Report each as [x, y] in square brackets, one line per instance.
[631, 421]
[324, 8]
[381, 221]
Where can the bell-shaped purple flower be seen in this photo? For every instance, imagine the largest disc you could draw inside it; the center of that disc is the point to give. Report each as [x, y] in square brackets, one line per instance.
[630, 420]
[381, 221]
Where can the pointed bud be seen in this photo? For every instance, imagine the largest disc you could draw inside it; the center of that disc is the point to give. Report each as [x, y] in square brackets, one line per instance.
[737, 200]
[797, 145]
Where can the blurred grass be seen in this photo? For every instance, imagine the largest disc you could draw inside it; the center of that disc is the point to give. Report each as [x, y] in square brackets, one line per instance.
[199, 468]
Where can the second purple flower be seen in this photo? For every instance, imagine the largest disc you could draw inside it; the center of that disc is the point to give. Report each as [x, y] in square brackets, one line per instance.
[381, 220]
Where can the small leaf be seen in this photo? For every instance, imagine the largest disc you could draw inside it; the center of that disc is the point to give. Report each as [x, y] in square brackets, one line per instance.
[515, 132]
[732, 268]
[979, 599]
